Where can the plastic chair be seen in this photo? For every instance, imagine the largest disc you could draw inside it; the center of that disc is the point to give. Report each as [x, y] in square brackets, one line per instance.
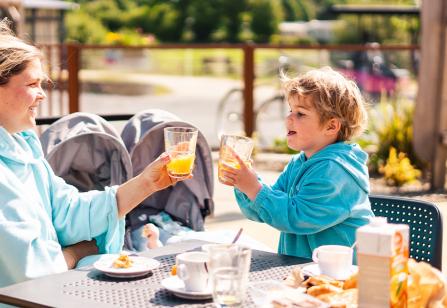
[424, 219]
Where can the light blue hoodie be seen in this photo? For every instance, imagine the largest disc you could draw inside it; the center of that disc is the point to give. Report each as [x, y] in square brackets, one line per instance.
[40, 213]
[317, 201]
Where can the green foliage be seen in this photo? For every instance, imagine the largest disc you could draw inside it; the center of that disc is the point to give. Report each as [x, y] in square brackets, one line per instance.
[205, 15]
[163, 20]
[297, 10]
[263, 23]
[398, 169]
[280, 146]
[234, 20]
[390, 126]
[108, 12]
[381, 29]
[232, 15]
[84, 29]
[128, 37]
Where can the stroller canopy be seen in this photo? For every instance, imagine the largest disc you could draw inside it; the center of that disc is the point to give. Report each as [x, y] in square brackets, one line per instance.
[86, 151]
[188, 201]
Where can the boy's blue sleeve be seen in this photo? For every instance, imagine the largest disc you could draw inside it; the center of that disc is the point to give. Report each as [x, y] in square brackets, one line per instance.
[245, 204]
[317, 205]
[83, 216]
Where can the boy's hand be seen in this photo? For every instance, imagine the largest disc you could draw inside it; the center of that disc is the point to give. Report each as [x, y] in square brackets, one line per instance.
[244, 179]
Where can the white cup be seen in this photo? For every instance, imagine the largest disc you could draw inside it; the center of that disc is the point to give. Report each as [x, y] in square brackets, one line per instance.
[192, 269]
[334, 260]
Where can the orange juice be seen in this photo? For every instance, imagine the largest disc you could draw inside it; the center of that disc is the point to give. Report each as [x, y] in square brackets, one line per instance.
[382, 258]
[226, 164]
[181, 164]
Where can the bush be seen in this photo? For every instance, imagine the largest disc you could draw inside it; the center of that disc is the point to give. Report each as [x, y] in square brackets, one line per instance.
[280, 146]
[128, 37]
[398, 169]
[263, 22]
[84, 29]
[390, 127]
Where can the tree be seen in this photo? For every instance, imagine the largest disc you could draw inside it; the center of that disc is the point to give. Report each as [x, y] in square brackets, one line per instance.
[162, 20]
[232, 20]
[206, 18]
[263, 23]
[84, 29]
[298, 10]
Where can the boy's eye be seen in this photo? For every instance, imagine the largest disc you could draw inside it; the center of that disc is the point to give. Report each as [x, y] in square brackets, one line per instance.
[299, 114]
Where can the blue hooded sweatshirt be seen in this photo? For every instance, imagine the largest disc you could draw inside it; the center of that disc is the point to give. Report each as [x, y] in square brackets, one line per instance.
[317, 201]
[40, 213]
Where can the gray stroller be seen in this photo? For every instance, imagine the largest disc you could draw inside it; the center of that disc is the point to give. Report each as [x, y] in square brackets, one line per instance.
[188, 202]
[86, 151]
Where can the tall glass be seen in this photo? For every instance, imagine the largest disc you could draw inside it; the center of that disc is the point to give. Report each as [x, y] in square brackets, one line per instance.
[180, 143]
[229, 266]
[229, 144]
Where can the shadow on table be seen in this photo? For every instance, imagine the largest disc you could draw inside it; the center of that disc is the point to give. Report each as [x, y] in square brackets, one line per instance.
[167, 299]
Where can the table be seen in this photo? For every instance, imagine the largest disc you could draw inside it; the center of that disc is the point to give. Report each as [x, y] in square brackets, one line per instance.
[87, 287]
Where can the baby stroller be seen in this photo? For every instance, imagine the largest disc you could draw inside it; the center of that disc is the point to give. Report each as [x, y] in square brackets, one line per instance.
[86, 151]
[188, 202]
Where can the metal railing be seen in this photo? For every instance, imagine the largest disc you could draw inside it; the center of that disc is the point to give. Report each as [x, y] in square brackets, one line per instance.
[66, 76]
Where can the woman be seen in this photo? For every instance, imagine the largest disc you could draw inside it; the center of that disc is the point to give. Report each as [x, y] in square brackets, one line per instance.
[46, 225]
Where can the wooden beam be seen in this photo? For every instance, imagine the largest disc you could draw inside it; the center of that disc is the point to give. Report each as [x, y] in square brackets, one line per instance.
[73, 59]
[249, 77]
[431, 109]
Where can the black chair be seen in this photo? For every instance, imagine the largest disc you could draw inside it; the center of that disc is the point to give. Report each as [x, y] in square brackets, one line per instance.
[424, 219]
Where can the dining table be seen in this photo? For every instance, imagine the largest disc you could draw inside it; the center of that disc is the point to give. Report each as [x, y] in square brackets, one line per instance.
[88, 287]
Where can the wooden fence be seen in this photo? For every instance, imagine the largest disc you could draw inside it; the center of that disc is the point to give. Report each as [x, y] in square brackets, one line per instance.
[65, 71]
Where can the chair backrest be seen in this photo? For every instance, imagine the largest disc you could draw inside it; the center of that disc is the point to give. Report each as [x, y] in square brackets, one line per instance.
[424, 219]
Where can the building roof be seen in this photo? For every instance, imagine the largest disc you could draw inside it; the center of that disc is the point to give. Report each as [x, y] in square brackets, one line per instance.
[49, 4]
[375, 9]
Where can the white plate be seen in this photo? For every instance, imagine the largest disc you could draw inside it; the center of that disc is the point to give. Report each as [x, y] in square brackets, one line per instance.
[314, 270]
[177, 287]
[141, 266]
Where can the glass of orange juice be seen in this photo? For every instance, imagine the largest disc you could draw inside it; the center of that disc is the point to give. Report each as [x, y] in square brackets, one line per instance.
[229, 144]
[180, 143]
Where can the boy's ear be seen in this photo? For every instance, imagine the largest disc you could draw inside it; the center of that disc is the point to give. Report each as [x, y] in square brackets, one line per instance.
[333, 126]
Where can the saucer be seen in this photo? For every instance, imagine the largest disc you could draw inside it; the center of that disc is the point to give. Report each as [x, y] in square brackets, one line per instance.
[177, 287]
[314, 270]
[141, 266]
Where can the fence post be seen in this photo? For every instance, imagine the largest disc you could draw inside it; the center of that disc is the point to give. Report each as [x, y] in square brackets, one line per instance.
[430, 117]
[249, 76]
[73, 59]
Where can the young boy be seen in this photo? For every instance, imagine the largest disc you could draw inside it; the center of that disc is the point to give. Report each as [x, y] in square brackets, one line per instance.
[321, 197]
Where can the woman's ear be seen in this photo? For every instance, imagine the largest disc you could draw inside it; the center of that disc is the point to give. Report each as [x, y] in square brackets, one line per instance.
[333, 126]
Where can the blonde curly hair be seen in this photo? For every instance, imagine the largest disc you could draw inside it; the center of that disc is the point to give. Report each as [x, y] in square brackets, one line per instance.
[15, 54]
[333, 96]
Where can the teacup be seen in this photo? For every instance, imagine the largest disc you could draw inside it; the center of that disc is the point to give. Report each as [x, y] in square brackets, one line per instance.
[192, 269]
[333, 260]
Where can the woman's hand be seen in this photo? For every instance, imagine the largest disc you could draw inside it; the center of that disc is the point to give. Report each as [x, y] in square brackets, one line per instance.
[76, 252]
[154, 177]
[157, 175]
[245, 179]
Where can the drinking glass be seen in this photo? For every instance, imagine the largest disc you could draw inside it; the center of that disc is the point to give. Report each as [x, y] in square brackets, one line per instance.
[180, 143]
[229, 144]
[227, 287]
[229, 266]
